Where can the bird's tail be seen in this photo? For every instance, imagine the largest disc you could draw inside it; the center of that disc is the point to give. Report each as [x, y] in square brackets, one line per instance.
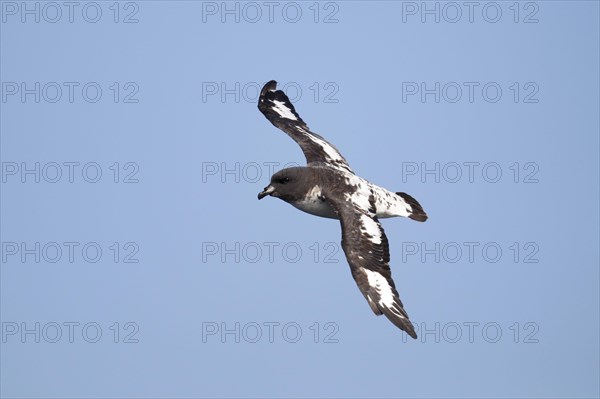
[417, 213]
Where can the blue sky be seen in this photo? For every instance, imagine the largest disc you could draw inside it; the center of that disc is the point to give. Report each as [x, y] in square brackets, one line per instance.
[137, 261]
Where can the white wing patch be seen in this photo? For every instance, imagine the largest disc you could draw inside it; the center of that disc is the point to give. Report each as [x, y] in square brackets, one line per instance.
[329, 150]
[383, 288]
[370, 227]
[283, 111]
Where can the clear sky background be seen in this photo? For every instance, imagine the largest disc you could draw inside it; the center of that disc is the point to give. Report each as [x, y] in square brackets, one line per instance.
[209, 292]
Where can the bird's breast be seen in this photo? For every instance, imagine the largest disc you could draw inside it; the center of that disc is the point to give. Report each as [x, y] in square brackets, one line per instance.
[315, 204]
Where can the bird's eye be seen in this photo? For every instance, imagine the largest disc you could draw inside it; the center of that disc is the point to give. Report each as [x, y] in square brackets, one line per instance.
[284, 180]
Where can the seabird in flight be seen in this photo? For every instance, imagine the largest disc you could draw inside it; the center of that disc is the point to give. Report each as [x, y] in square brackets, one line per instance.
[328, 187]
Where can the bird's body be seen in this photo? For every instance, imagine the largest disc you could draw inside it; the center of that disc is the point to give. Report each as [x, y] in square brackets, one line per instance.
[327, 187]
[387, 203]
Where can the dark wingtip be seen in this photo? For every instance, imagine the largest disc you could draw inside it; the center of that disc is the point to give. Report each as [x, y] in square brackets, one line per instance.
[412, 334]
[271, 85]
[408, 328]
[402, 323]
[418, 213]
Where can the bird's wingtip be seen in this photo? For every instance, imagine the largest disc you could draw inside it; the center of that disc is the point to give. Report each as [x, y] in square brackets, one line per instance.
[271, 85]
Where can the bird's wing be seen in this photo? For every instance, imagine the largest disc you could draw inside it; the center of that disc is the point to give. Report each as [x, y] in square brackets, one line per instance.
[278, 109]
[367, 251]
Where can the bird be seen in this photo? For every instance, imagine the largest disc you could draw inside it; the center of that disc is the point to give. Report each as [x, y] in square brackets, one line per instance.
[327, 187]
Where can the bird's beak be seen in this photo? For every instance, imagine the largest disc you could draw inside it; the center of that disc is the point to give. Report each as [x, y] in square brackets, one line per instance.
[267, 191]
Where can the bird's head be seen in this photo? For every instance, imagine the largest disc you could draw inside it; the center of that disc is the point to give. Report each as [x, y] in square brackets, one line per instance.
[287, 184]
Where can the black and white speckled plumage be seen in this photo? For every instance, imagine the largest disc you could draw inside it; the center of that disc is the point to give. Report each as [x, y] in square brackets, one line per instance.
[328, 187]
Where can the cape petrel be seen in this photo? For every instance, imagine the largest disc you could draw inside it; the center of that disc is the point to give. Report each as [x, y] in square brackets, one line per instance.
[327, 187]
